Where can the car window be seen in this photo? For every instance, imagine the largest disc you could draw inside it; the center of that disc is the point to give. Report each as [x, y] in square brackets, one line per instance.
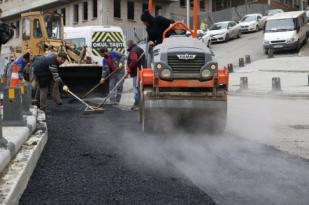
[218, 26]
[248, 18]
[278, 25]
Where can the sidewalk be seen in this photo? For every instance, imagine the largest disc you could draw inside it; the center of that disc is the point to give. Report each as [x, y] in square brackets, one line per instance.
[293, 72]
[281, 123]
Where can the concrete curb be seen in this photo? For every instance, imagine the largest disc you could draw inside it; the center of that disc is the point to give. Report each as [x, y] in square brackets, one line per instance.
[16, 136]
[5, 157]
[15, 178]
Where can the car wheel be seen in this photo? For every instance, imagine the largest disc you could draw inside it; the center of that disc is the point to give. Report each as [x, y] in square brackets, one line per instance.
[239, 34]
[227, 37]
[298, 46]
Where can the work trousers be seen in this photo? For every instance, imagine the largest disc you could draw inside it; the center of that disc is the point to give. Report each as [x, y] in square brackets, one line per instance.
[113, 80]
[136, 92]
[41, 94]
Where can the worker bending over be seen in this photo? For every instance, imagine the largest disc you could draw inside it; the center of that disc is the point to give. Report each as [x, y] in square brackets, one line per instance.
[45, 71]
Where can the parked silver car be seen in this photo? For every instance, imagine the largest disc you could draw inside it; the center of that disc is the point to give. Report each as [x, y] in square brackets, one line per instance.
[223, 31]
[252, 22]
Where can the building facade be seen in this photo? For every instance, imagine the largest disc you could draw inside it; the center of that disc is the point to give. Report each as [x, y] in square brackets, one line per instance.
[123, 13]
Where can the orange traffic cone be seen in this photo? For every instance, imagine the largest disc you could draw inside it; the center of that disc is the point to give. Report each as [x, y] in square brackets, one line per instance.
[14, 82]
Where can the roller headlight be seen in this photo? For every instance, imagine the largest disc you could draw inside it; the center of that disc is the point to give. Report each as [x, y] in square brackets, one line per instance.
[159, 66]
[166, 73]
[213, 67]
[206, 73]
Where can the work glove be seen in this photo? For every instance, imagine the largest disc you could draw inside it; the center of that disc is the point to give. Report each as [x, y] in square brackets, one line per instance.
[65, 88]
[102, 81]
[120, 65]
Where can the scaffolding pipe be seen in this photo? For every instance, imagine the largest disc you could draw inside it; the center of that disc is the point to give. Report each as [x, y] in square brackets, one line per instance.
[188, 13]
[195, 18]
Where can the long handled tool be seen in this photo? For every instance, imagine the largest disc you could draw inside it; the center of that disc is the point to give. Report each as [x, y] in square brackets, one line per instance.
[98, 84]
[107, 77]
[89, 108]
[112, 90]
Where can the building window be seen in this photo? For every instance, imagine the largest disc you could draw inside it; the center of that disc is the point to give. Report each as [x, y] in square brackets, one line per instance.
[117, 9]
[17, 29]
[85, 13]
[76, 17]
[183, 3]
[63, 15]
[95, 9]
[203, 5]
[158, 10]
[130, 10]
[145, 7]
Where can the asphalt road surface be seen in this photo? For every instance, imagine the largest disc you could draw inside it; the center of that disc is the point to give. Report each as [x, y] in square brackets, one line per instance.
[106, 159]
[88, 160]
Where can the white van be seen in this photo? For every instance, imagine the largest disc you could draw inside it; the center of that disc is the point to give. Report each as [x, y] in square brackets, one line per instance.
[286, 31]
[95, 38]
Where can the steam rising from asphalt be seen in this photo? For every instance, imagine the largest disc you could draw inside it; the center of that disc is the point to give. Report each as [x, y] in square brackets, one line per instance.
[228, 168]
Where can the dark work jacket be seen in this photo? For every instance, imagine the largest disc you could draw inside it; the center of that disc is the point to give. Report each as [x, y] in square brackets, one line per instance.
[141, 61]
[156, 28]
[6, 32]
[45, 69]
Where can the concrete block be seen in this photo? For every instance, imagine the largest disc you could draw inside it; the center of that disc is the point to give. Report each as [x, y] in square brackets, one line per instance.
[12, 108]
[31, 122]
[3, 141]
[244, 83]
[248, 59]
[16, 136]
[276, 84]
[230, 67]
[241, 62]
[26, 98]
[5, 157]
[270, 53]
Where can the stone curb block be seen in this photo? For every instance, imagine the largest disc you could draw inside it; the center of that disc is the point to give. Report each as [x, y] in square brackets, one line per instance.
[15, 178]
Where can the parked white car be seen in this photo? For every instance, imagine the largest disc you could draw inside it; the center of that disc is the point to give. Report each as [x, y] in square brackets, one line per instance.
[252, 22]
[203, 36]
[223, 31]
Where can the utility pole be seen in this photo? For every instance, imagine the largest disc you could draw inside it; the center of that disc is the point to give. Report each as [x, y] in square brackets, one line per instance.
[301, 5]
[188, 13]
[246, 5]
